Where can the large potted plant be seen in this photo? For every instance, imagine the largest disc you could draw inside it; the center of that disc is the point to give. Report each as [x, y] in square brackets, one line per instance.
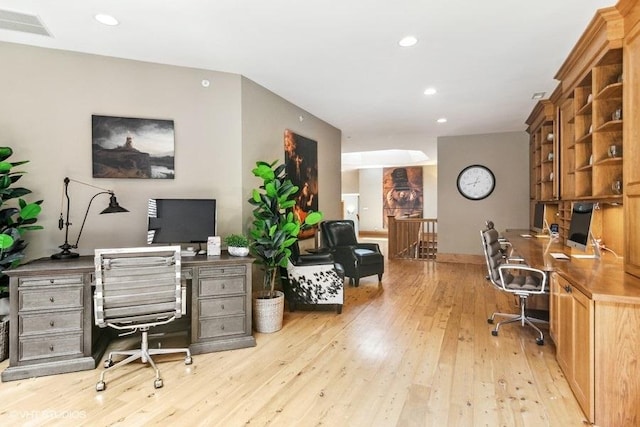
[16, 218]
[274, 229]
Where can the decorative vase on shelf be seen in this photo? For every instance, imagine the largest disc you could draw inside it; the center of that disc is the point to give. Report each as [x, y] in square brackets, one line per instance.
[238, 251]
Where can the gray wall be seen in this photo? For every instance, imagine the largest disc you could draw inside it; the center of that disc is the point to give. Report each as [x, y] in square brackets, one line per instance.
[460, 219]
[264, 118]
[48, 97]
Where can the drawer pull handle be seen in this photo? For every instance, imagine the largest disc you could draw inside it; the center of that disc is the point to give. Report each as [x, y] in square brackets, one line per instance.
[223, 286]
[222, 306]
[51, 281]
[222, 327]
[52, 299]
[51, 323]
[51, 347]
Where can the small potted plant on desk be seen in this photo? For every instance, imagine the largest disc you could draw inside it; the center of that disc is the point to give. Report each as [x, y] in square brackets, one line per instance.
[237, 244]
[274, 230]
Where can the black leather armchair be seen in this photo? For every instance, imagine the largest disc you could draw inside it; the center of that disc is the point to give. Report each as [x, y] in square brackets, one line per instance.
[358, 259]
[313, 279]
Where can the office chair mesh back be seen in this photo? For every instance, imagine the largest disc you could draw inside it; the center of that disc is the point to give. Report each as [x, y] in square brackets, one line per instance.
[137, 290]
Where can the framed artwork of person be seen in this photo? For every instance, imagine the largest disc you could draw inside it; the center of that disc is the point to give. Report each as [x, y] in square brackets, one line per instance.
[301, 160]
[402, 192]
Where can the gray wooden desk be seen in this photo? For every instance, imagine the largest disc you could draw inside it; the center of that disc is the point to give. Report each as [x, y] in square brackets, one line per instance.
[51, 329]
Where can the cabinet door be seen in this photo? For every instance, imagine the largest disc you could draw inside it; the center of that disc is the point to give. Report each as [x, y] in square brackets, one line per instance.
[583, 351]
[564, 344]
[554, 300]
[631, 155]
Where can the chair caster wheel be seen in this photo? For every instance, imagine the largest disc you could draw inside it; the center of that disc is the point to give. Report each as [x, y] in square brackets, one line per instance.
[188, 360]
[490, 321]
[108, 363]
[158, 383]
[540, 341]
[100, 386]
[494, 333]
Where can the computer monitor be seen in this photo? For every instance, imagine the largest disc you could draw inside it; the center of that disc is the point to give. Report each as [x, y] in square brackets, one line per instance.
[580, 227]
[538, 225]
[175, 221]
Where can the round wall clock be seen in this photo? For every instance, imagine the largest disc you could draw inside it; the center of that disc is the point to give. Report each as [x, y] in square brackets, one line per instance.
[476, 182]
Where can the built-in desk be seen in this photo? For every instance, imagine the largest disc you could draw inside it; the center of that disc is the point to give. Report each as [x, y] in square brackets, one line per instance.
[52, 330]
[595, 324]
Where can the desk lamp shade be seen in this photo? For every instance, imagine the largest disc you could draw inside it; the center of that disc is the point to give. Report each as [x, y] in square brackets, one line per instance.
[114, 207]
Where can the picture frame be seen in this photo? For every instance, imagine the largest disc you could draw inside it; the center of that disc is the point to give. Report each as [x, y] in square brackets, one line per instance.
[127, 147]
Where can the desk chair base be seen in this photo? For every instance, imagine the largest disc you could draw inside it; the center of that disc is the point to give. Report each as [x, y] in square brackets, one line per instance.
[522, 318]
[144, 353]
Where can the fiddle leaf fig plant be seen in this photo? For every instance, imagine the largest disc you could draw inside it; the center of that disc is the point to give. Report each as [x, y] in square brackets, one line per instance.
[275, 229]
[17, 216]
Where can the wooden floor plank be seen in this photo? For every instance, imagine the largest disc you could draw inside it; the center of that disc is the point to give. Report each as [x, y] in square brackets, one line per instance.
[414, 351]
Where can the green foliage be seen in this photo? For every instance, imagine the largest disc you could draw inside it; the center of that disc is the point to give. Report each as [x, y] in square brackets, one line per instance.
[237, 240]
[17, 216]
[275, 228]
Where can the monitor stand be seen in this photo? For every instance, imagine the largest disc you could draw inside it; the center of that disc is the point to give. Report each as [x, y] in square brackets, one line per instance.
[596, 249]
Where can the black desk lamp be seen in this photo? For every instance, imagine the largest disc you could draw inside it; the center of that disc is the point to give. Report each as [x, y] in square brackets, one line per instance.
[113, 207]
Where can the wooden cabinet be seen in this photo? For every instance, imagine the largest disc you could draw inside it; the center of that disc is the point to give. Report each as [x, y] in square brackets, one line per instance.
[222, 307]
[543, 150]
[50, 326]
[595, 148]
[591, 111]
[572, 329]
[631, 130]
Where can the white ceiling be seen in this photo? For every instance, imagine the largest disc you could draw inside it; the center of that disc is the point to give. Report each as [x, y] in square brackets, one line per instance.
[339, 59]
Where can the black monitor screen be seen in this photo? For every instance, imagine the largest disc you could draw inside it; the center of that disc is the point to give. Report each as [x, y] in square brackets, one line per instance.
[580, 225]
[538, 218]
[181, 220]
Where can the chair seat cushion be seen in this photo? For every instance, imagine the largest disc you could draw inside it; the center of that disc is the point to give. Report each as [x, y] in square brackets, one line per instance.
[523, 282]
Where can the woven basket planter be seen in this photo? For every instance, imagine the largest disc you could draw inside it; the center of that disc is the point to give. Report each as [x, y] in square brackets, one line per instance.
[4, 340]
[268, 312]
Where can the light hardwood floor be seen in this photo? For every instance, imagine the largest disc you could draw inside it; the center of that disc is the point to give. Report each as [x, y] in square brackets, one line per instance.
[416, 351]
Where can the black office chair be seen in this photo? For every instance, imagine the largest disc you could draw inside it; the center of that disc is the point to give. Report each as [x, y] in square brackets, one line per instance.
[358, 259]
[137, 289]
[519, 279]
[313, 279]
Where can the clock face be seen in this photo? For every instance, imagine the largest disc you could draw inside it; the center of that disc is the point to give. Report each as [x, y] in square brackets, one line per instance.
[476, 182]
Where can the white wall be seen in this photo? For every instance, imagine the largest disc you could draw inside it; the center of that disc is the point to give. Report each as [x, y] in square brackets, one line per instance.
[460, 220]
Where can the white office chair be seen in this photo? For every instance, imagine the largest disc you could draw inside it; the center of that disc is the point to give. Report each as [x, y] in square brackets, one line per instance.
[519, 279]
[136, 289]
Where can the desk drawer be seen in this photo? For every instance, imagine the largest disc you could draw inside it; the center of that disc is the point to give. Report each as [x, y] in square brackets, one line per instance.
[227, 306]
[51, 281]
[221, 286]
[221, 326]
[50, 297]
[50, 322]
[232, 270]
[50, 346]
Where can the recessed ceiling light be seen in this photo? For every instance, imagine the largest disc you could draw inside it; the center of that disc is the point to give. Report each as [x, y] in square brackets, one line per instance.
[442, 120]
[538, 95]
[408, 41]
[106, 19]
[430, 91]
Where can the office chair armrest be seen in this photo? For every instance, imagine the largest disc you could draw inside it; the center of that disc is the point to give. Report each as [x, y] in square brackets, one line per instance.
[523, 267]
